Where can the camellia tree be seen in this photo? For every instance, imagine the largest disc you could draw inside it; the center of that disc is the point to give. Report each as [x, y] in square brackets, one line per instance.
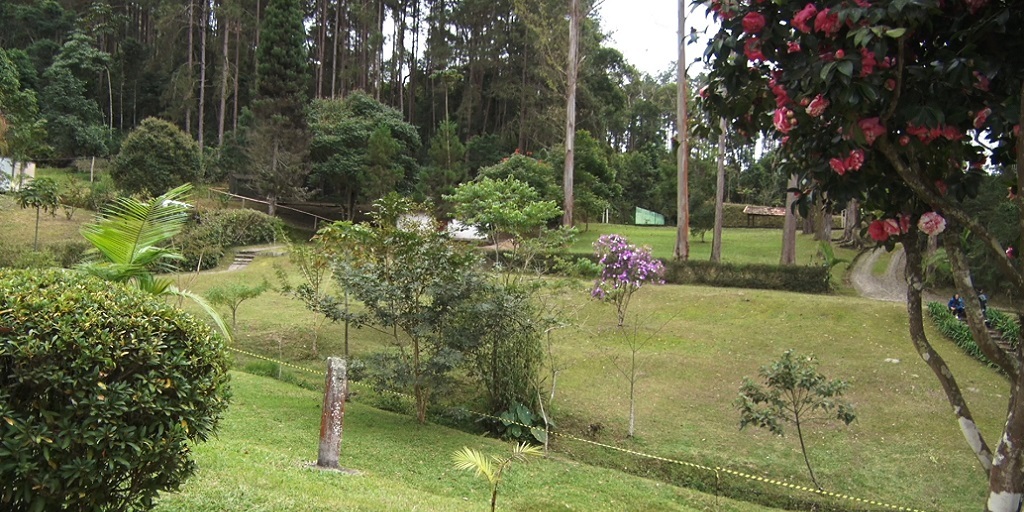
[901, 105]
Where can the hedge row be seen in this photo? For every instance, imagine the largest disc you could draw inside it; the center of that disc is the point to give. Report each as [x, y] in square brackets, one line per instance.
[791, 278]
[733, 217]
[204, 242]
[956, 330]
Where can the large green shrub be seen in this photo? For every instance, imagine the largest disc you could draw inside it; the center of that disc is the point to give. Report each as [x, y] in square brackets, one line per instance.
[102, 390]
[154, 158]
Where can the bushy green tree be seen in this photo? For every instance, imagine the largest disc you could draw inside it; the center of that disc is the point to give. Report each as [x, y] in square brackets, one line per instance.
[104, 391]
[154, 158]
[446, 166]
[233, 295]
[339, 148]
[538, 174]
[22, 130]
[73, 121]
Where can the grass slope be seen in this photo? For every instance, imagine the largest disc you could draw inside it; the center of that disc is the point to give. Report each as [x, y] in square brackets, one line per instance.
[905, 447]
[259, 461]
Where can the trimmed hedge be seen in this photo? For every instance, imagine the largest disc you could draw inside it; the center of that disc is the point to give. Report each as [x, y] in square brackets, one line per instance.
[956, 330]
[791, 278]
[103, 389]
[733, 217]
[204, 242]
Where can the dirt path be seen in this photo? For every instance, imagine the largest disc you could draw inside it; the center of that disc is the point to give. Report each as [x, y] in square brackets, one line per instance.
[891, 286]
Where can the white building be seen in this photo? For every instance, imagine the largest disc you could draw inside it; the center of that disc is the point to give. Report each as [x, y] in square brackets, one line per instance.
[13, 177]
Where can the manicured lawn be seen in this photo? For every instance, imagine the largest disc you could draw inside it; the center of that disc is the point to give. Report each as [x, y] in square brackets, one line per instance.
[905, 448]
[261, 461]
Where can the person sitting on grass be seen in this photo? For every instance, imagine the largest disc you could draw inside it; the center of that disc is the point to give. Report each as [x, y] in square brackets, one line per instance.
[956, 306]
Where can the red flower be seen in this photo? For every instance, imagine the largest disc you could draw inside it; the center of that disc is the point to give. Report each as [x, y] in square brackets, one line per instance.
[890, 84]
[781, 96]
[981, 117]
[872, 129]
[867, 62]
[838, 166]
[864, 4]
[951, 133]
[876, 230]
[781, 120]
[827, 22]
[752, 49]
[753, 22]
[886, 63]
[793, 47]
[904, 140]
[801, 19]
[904, 221]
[855, 160]
[840, 53]
[1010, 252]
[941, 187]
[817, 106]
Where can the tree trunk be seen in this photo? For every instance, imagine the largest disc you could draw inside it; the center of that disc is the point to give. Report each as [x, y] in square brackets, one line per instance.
[225, 33]
[238, 71]
[332, 415]
[334, 55]
[202, 72]
[852, 219]
[716, 241]
[789, 228]
[682, 249]
[915, 284]
[572, 72]
[189, 69]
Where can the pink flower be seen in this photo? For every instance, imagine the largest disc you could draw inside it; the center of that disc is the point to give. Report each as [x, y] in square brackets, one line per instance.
[983, 82]
[840, 53]
[867, 62]
[722, 11]
[904, 221]
[941, 186]
[817, 106]
[891, 227]
[864, 4]
[1011, 252]
[805, 15]
[753, 22]
[752, 49]
[837, 165]
[981, 117]
[890, 84]
[781, 119]
[793, 47]
[975, 5]
[877, 232]
[931, 223]
[855, 160]
[886, 63]
[872, 129]
[827, 22]
[951, 133]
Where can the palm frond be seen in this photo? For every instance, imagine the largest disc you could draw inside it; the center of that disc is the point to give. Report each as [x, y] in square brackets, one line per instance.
[472, 460]
[201, 301]
[522, 451]
[129, 231]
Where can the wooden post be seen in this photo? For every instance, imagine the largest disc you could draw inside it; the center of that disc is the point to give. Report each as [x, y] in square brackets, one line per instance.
[333, 414]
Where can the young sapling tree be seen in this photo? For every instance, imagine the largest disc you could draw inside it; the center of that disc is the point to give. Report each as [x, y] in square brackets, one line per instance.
[793, 392]
[493, 468]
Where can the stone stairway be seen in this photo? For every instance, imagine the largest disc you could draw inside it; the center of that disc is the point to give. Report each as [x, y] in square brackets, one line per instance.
[998, 338]
[242, 259]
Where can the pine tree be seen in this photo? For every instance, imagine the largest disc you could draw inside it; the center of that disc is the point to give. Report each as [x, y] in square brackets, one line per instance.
[280, 144]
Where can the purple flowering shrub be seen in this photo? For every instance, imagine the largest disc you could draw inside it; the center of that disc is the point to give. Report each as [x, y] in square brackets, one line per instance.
[624, 269]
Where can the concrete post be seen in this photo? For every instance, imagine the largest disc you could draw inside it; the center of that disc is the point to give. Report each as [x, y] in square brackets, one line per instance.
[333, 414]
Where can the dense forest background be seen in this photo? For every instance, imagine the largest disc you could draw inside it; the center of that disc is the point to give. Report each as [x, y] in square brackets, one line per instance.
[408, 95]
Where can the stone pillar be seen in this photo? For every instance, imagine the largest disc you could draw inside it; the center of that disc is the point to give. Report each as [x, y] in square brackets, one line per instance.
[333, 414]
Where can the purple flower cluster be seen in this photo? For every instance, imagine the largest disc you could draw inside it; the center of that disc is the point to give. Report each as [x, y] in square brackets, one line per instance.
[624, 269]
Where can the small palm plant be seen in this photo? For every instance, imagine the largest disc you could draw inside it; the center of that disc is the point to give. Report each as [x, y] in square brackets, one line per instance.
[128, 238]
[492, 468]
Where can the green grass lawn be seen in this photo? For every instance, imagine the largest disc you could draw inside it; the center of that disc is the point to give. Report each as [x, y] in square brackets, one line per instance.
[260, 460]
[20, 224]
[905, 448]
[739, 245]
